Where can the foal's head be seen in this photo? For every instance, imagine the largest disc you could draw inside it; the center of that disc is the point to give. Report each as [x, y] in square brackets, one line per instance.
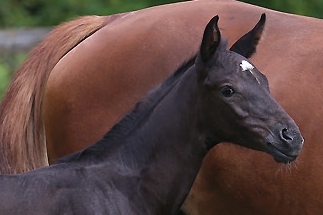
[236, 104]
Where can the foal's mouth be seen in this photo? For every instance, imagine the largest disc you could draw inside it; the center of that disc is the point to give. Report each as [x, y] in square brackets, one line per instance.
[281, 155]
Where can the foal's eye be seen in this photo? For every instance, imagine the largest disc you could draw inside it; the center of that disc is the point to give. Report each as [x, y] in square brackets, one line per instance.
[227, 91]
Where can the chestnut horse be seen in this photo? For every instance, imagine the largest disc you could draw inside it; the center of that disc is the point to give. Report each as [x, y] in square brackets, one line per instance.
[88, 79]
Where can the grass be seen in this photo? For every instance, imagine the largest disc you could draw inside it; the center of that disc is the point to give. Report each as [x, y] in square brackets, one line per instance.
[5, 78]
[7, 69]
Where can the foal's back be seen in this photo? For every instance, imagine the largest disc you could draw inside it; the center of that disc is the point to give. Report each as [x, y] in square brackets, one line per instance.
[69, 188]
[49, 190]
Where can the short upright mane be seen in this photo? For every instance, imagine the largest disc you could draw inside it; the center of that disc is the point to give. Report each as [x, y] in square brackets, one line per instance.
[131, 121]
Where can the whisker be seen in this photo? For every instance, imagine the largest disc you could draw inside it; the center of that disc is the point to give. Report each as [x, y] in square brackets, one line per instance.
[278, 171]
[286, 168]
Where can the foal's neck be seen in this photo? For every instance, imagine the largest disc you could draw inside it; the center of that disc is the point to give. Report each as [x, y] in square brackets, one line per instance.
[166, 150]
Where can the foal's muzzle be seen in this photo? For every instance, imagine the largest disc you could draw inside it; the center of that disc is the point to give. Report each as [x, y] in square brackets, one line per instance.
[284, 143]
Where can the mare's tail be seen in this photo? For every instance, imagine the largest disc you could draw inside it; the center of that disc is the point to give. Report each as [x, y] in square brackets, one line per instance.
[22, 137]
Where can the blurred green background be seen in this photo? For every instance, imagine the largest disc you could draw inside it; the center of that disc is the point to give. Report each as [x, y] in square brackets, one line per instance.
[35, 13]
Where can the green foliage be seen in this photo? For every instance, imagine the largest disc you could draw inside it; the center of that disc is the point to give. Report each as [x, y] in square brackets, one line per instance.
[302, 7]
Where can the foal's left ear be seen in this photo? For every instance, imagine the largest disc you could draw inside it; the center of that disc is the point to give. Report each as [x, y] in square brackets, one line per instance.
[211, 39]
[246, 45]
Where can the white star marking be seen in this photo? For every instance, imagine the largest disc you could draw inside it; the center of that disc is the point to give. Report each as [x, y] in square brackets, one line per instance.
[246, 66]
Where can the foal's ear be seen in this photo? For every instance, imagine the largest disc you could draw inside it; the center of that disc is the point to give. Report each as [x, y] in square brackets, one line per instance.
[246, 45]
[211, 39]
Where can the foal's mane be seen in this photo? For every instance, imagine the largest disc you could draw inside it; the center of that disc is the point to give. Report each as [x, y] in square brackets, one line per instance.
[134, 118]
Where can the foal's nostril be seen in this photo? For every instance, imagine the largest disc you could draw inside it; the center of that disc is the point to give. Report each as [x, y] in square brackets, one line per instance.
[285, 135]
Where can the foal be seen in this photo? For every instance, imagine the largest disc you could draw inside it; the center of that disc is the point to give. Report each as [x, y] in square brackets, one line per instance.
[147, 163]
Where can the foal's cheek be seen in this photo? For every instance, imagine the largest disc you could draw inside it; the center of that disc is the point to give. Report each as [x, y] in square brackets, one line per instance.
[241, 108]
[242, 112]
